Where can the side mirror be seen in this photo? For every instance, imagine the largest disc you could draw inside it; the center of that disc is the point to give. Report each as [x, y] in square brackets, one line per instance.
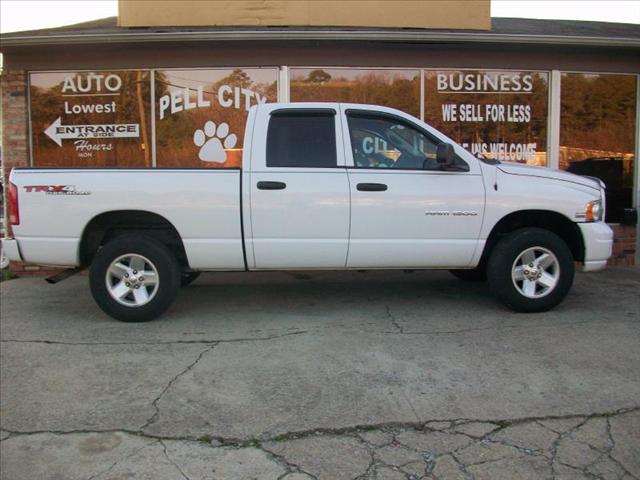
[445, 154]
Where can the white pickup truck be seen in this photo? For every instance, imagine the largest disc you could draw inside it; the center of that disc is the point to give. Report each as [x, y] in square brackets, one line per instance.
[323, 186]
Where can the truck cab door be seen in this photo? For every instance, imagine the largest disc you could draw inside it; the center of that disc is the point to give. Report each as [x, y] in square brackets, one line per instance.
[299, 190]
[406, 210]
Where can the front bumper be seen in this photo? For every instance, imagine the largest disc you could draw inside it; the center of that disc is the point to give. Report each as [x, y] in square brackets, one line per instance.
[598, 245]
[11, 249]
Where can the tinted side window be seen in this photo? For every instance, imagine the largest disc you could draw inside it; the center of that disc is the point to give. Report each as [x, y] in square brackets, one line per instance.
[301, 139]
[383, 142]
[388, 142]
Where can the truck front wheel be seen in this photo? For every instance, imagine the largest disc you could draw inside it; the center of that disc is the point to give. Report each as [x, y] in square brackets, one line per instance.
[531, 270]
[134, 278]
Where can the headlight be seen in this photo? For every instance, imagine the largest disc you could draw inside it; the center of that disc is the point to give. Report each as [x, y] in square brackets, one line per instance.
[593, 211]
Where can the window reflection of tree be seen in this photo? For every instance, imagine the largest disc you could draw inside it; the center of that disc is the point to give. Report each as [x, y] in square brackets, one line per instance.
[597, 133]
[175, 147]
[393, 88]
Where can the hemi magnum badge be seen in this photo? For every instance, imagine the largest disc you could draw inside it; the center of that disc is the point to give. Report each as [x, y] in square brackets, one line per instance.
[447, 213]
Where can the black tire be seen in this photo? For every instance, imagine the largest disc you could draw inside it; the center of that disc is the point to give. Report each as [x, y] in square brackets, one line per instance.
[187, 278]
[162, 294]
[508, 251]
[478, 274]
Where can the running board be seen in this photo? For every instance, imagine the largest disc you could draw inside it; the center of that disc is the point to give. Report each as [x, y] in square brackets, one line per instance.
[58, 277]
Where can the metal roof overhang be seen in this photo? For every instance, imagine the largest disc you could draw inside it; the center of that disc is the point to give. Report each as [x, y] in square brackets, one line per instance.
[316, 35]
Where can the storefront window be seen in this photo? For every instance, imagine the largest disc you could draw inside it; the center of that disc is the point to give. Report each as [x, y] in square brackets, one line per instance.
[597, 133]
[390, 88]
[496, 114]
[91, 119]
[201, 114]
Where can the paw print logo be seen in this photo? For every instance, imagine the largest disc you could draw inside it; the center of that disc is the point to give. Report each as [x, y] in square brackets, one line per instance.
[211, 141]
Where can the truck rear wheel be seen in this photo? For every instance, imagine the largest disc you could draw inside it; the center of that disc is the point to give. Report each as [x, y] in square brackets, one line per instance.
[134, 278]
[531, 270]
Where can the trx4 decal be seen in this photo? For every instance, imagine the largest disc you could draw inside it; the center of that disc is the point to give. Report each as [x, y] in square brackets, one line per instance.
[55, 189]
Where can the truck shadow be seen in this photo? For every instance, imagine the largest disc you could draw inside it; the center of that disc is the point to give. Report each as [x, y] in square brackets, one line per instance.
[298, 292]
[227, 306]
[377, 301]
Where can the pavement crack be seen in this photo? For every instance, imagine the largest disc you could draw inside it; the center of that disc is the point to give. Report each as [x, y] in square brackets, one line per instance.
[393, 320]
[154, 418]
[501, 327]
[354, 430]
[372, 464]
[504, 423]
[170, 460]
[583, 470]
[461, 466]
[611, 443]
[160, 342]
[369, 472]
[556, 443]
[610, 448]
[524, 450]
[624, 469]
[280, 460]
[415, 413]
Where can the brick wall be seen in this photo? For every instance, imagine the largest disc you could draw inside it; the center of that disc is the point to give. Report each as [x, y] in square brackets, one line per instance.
[624, 245]
[15, 138]
[15, 149]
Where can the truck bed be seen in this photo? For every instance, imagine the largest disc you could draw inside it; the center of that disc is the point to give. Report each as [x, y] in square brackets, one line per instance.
[203, 205]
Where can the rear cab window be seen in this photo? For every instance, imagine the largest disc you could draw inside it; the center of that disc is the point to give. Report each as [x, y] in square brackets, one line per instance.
[300, 138]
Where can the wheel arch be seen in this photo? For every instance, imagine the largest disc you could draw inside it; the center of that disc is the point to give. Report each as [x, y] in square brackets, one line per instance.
[546, 219]
[107, 225]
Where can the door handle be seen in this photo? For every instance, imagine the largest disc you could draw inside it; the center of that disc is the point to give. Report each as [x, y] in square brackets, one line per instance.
[371, 187]
[271, 185]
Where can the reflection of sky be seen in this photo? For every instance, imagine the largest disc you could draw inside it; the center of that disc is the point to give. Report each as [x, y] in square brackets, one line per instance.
[354, 73]
[187, 77]
[590, 76]
[429, 74]
[51, 79]
[195, 78]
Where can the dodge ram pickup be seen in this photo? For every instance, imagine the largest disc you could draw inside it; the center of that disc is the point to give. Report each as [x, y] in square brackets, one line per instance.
[322, 186]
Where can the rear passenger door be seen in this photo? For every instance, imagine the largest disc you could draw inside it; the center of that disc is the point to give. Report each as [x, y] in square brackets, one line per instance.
[299, 190]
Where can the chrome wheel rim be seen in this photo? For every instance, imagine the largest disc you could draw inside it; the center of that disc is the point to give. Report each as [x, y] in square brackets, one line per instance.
[535, 272]
[132, 280]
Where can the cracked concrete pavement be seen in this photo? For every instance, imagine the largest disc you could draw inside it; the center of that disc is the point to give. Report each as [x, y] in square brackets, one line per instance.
[377, 375]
